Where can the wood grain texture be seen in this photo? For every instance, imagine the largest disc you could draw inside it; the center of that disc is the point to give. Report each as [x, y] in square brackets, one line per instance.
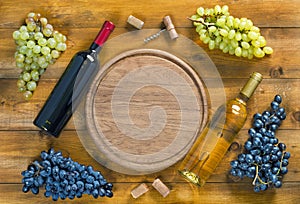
[80, 20]
[283, 63]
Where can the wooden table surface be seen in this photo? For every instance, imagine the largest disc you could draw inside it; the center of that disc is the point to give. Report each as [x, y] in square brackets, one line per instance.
[80, 20]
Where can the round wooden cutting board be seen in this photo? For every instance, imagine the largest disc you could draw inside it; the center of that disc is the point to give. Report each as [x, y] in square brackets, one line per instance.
[144, 110]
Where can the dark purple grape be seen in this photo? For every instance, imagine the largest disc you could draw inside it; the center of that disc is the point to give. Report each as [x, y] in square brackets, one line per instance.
[264, 159]
[278, 99]
[63, 178]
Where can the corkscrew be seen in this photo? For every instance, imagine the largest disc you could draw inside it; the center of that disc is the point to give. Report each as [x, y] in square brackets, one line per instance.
[154, 36]
[165, 25]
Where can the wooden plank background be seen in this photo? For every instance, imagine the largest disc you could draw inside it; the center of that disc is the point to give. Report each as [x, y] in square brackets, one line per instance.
[21, 143]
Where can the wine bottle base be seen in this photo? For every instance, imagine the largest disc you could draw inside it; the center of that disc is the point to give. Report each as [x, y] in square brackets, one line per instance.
[191, 177]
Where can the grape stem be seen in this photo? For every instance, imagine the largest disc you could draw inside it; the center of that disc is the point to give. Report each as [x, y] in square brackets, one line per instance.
[280, 164]
[39, 167]
[257, 177]
[202, 22]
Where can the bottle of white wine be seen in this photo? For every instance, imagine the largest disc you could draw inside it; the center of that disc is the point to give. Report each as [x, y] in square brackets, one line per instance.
[214, 141]
[72, 86]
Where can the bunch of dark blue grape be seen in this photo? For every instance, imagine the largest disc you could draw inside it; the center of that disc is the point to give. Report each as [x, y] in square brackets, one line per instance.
[264, 159]
[63, 178]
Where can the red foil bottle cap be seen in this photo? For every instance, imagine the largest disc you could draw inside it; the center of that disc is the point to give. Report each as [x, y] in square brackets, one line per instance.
[104, 33]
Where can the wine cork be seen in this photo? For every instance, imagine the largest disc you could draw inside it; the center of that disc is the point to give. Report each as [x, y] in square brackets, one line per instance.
[135, 22]
[161, 187]
[170, 27]
[140, 190]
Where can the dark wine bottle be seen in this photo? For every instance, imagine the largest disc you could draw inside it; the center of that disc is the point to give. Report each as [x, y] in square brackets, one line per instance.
[72, 86]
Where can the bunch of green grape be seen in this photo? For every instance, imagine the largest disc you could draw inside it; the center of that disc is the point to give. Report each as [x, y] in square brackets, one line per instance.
[236, 36]
[38, 45]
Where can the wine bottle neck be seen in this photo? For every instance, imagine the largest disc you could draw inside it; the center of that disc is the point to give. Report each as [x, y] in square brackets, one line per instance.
[249, 88]
[242, 98]
[95, 47]
[104, 33]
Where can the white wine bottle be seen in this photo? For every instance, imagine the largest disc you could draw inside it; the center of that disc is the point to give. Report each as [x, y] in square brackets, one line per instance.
[213, 142]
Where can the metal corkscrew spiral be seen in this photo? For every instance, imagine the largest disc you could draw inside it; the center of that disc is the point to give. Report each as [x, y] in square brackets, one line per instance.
[154, 36]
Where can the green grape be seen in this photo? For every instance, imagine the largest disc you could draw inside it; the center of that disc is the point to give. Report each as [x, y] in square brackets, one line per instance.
[222, 45]
[47, 32]
[23, 49]
[20, 83]
[255, 29]
[36, 49]
[55, 53]
[26, 76]
[245, 53]
[21, 42]
[238, 51]
[51, 42]
[218, 40]
[64, 38]
[35, 57]
[38, 35]
[262, 41]
[200, 11]
[249, 24]
[231, 50]
[20, 58]
[27, 95]
[226, 49]
[258, 52]
[16, 34]
[48, 57]
[212, 29]
[31, 26]
[211, 44]
[30, 44]
[231, 34]
[44, 65]
[34, 66]
[31, 85]
[242, 25]
[24, 35]
[234, 43]
[225, 9]
[42, 42]
[206, 40]
[223, 32]
[30, 15]
[45, 50]
[253, 35]
[35, 75]
[217, 28]
[22, 89]
[220, 22]
[29, 53]
[23, 28]
[61, 46]
[38, 45]
[236, 23]
[20, 65]
[268, 50]
[58, 36]
[43, 21]
[245, 37]
[255, 43]
[245, 45]
[41, 60]
[41, 71]
[27, 67]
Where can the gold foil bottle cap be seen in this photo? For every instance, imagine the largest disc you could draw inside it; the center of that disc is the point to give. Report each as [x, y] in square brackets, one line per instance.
[170, 27]
[251, 85]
